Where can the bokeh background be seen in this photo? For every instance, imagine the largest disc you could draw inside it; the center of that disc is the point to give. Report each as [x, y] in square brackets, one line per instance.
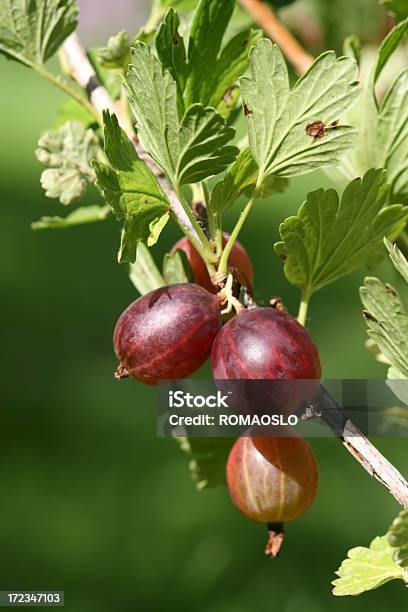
[91, 501]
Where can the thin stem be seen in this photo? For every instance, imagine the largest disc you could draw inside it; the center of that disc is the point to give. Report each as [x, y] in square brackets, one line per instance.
[223, 265]
[303, 307]
[66, 88]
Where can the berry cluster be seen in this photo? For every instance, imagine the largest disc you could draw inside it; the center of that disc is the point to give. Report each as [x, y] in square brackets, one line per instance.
[170, 332]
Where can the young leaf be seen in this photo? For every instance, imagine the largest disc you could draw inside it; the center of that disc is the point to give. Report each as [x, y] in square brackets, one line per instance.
[188, 150]
[31, 32]
[172, 54]
[387, 323]
[296, 131]
[84, 214]
[398, 259]
[240, 175]
[398, 539]
[207, 31]
[329, 238]
[208, 457]
[144, 273]
[116, 54]
[231, 64]
[67, 153]
[176, 268]
[367, 568]
[132, 190]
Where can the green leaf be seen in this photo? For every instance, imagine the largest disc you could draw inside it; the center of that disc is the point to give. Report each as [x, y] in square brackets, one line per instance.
[208, 458]
[398, 539]
[80, 216]
[330, 238]
[172, 54]
[367, 568]
[397, 8]
[207, 31]
[67, 153]
[231, 64]
[239, 176]
[352, 47]
[382, 136]
[176, 268]
[144, 273]
[132, 190]
[280, 119]
[188, 150]
[32, 31]
[398, 259]
[116, 54]
[387, 323]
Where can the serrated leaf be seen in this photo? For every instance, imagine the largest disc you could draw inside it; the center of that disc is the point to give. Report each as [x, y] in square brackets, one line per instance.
[210, 21]
[330, 238]
[188, 150]
[280, 119]
[67, 153]
[208, 458]
[383, 134]
[32, 31]
[132, 190]
[116, 54]
[144, 273]
[172, 54]
[176, 268]
[398, 539]
[397, 8]
[80, 216]
[398, 259]
[387, 322]
[367, 568]
[230, 65]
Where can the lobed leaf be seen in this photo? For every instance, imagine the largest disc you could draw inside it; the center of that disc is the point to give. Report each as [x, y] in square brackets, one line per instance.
[116, 54]
[367, 568]
[398, 539]
[330, 237]
[208, 457]
[387, 323]
[188, 150]
[280, 119]
[398, 259]
[67, 153]
[80, 216]
[132, 190]
[32, 31]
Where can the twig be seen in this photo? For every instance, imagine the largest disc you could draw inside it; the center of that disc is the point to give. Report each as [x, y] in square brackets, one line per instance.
[368, 456]
[81, 70]
[353, 439]
[264, 16]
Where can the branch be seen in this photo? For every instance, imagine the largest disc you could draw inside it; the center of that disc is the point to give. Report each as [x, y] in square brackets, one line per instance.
[81, 70]
[368, 456]
[357, 444]
[263, 15]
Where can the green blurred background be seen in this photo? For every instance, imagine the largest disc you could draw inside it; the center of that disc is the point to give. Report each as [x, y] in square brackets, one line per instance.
[91, 501]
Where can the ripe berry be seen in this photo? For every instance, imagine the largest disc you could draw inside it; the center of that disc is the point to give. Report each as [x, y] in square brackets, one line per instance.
[272, 480]
[238, 258]
[166, 334]
[265, 344]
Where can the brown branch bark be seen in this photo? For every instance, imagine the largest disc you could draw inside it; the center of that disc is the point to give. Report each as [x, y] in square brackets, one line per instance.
[263, 15]
[353, 439]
